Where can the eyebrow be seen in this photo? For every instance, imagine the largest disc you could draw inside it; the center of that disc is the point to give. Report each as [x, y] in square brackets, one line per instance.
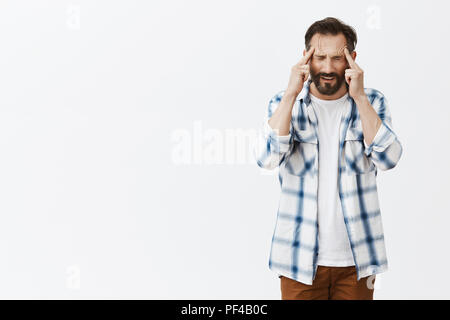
[333, 56]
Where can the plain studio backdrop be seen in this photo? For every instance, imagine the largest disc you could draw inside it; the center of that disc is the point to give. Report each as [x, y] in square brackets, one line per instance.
[125, 136]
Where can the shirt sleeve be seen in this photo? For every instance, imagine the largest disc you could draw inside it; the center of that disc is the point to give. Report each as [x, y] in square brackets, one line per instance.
[385, 149]
[278, 143]
[383, 138]
[271, 148]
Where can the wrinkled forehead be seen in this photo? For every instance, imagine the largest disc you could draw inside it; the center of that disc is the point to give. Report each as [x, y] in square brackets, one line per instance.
[328, 44]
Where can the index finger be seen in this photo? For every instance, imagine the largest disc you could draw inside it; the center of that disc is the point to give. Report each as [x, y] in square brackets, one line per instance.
[350, 60]
[307, 56]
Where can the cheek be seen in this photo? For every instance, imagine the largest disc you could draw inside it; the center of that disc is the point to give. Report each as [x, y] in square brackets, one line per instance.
[340, 67]
[315, 66]
[344, 65]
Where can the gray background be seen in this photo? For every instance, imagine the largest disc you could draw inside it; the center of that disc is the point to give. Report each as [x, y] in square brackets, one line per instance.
[99, 101]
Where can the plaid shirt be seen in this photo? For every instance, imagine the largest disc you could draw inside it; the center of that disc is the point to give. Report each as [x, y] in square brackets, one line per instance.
[294, 247]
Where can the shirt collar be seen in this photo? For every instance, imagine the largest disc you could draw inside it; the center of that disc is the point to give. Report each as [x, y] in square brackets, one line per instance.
[304, 97]
[304, 94]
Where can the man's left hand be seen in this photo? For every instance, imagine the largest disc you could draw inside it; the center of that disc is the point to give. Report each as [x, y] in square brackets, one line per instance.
[354, 77]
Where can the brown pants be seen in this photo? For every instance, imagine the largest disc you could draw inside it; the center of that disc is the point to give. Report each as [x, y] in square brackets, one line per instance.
[330, 283]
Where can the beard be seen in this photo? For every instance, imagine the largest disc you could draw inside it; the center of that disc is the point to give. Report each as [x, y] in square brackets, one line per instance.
[327, 88]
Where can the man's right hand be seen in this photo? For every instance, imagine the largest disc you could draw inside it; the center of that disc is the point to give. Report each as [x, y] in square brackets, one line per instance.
[299, 74]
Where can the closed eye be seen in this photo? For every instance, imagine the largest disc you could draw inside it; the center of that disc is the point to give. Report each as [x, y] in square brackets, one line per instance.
[334, 58]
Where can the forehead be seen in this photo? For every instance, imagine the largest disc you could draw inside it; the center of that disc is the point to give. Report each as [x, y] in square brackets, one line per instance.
[328, 44]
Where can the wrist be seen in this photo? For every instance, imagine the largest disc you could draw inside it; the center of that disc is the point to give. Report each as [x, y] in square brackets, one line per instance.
[361, 99]
[291, 94]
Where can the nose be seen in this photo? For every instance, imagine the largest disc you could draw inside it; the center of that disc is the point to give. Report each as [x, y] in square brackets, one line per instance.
[328, 67]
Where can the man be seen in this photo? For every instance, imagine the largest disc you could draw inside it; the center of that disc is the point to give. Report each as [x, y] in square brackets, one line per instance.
[328, 135]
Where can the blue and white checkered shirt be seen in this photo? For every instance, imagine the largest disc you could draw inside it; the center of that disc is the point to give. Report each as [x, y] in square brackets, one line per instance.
[294, 247]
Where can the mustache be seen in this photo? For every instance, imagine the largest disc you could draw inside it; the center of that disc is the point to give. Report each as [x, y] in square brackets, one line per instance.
[328, 75]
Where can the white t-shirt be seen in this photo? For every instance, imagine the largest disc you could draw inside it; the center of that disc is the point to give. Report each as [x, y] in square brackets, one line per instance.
[334, 244]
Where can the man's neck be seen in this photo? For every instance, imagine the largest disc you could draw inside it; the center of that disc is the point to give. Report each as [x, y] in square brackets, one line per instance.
[338, 94]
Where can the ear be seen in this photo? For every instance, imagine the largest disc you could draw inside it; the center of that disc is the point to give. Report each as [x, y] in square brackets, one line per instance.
[304, 52]
[353, 54]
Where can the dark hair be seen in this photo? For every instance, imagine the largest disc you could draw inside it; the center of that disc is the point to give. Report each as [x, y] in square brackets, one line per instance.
[332, 26]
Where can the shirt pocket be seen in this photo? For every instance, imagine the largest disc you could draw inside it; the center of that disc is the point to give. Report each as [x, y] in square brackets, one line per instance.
[303, 159]
[356, 161]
